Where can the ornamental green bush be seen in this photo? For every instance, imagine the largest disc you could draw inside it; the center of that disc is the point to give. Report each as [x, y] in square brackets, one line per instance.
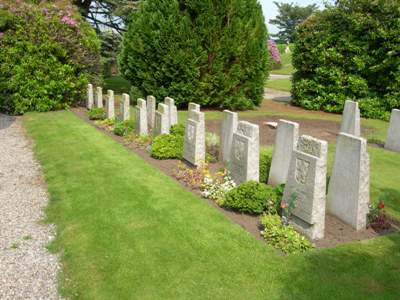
[97, 113]
[283, 237]
[251, 197]
[349, 51]
[48, 54]
[169, 146]
[123, 128]
[265, 165]
[210, 52]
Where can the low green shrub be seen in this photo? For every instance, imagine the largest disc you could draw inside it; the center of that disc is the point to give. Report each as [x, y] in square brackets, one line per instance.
[251, 197]
[167, 146]
[265, 165]
[123, 128]
[283, 237]
[97, 114]
[177, 129]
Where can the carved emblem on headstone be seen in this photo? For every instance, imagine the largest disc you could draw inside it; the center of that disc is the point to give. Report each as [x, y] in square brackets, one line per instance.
[302, 168]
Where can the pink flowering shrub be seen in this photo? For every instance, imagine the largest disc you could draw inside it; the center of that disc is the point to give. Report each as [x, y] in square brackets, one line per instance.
[48, 54]
[274, 54]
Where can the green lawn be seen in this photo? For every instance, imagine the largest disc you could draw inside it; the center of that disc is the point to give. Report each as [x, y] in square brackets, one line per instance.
[280, 84]
[127, 231]
[287, 67]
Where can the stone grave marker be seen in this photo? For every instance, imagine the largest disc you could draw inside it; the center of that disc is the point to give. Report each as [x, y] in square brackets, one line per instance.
[99, 97]
[348, 192]
[172, 111]
[151, 111]
[194, 150]
[245, 154]
[229, 126]
[90, 98]
[161, 124]
[124, 107]
[110, 105]
[351, 118]
[193, 106]
[285, 142]
[393, 136]
[141, 117]
[306, 185]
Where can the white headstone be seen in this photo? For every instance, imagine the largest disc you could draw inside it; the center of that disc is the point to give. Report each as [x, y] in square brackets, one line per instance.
[351, 118]
[172, 111]
[110, 105]
[151, 111]
[393, 136]
[348, 192]
[285, 142]
[194, 149]
[229, 126]
[193, 106]
[307, 184]
[161, 124]
[245, 154]
[99, 97]
[124, 107]
[141, 117]
[90, 99]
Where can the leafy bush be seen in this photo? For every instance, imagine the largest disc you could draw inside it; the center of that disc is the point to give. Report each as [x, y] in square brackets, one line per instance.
[283, 237]
[97, 114]
[251, 197]
[209, 51]
[265, 165]
[124, 128]
[48, 54]
[177, 129]
[167, 146]
[350, 50]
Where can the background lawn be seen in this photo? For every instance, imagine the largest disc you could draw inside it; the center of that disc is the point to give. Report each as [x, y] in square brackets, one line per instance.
[280, 84]
[127, 231]
[287, 67]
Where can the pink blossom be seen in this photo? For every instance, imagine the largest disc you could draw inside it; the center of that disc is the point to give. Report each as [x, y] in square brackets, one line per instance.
[1, 35]
[274, 52]
[69, 21]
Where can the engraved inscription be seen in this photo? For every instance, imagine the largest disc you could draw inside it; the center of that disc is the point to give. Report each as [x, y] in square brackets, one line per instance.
[301, 173]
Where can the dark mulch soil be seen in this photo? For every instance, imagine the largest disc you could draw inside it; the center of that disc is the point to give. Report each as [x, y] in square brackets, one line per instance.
[336, 232]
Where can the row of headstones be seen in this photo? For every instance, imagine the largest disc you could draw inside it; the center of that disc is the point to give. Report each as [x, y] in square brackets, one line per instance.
[301, 164]
[96, 101]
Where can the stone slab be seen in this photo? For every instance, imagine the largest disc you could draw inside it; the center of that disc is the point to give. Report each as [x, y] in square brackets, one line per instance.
[124, 107]
[348, 192]
[393, 135]
[229, 126]
[110, 105]
[172, 111]
[151, 111]
[194, 150]
[351, 118]
[285, 142]
[90, 97]
[161, 124]
[141, 117]
[99, 97]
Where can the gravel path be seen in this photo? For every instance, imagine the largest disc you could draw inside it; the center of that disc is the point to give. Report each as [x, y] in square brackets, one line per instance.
[27, 269]
[279, 96]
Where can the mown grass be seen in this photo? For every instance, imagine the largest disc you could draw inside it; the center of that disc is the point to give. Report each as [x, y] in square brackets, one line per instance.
[287, 67]
[127, 231]
[280, 84]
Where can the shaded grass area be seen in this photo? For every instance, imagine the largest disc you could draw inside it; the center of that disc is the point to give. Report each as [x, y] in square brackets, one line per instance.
[280, 84]
[118, 84]
[127, 231]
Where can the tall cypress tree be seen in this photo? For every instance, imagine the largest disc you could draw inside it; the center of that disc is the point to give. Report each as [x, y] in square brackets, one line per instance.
[212, 52]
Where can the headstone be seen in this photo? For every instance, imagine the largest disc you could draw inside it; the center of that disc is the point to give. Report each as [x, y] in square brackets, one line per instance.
[194, 149]
[161, 120]
[285, 142]
[393, 136]
[151, 111]
[110, 105]
[90, 99]
[99, 97]
[306, 182]
[141, 117]
[229, 126]
[124, 107]
[351, 118]
[172, 111]
[245, 154]
[348, 192]
[193, 106]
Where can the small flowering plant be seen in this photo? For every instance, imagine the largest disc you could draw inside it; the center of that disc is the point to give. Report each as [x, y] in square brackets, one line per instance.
[288, 207]
[192, 177]
[274, 53]
[376, 216]
[216, 187]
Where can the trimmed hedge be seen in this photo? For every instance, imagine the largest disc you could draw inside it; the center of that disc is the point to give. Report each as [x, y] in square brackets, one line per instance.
[48, 54]
[349, 51]
[209, 52]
